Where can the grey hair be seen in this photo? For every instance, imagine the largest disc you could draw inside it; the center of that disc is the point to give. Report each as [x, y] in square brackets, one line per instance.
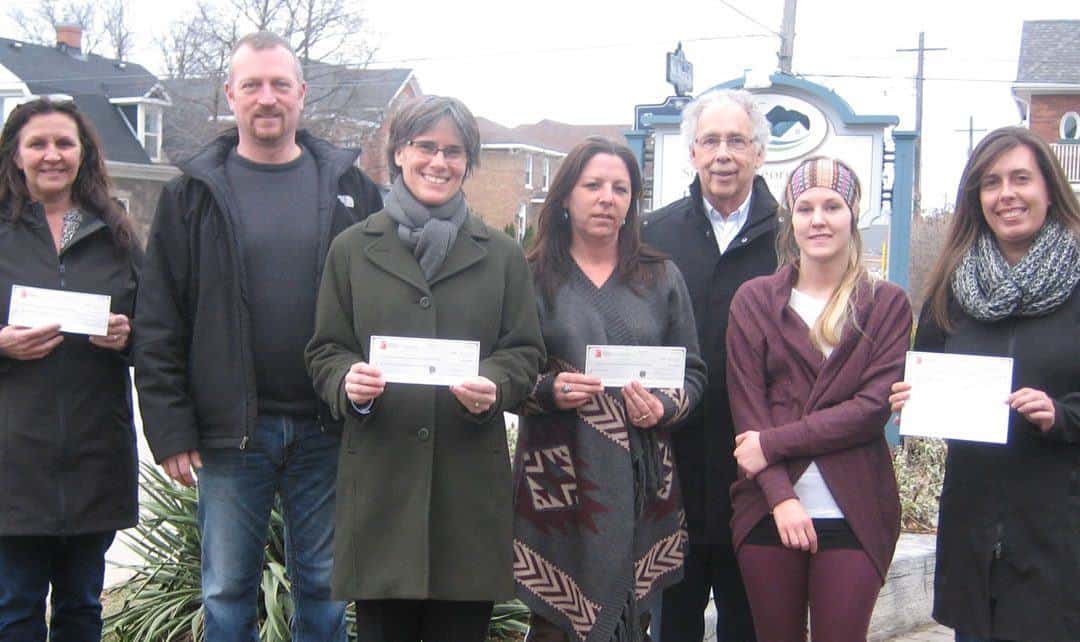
[422, 113]
[691, 114]
[261, 41]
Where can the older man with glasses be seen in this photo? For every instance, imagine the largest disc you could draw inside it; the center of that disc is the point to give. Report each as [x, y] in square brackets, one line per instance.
[720, 236]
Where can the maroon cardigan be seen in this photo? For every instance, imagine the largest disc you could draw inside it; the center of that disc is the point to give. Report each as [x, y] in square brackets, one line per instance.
[807, 408]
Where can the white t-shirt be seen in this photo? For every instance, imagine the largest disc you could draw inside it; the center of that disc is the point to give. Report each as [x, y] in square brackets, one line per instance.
[811, 488]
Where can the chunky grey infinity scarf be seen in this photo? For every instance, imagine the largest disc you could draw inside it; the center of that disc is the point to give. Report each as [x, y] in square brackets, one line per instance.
[428, 231]
[989, 289]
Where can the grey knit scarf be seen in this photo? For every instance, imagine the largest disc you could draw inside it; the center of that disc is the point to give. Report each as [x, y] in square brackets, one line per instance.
[989, 289]
[428, 231]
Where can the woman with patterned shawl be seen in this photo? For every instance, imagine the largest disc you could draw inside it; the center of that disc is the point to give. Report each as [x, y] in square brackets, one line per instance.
[598, 527]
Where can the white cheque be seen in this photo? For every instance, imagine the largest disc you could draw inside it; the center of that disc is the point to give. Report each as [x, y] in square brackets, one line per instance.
[653, 366]
[76, 312]
[434, 362]
[957, 396]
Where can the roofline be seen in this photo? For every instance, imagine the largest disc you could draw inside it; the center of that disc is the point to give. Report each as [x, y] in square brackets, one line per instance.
[140, 100]
[401, 88]
[160, 172]
[1032, 88]
[523, 147]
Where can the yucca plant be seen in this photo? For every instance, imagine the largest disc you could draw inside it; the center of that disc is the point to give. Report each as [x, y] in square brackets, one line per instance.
[163, 602]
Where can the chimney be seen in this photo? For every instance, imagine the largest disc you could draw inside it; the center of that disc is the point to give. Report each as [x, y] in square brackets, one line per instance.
[69, 37]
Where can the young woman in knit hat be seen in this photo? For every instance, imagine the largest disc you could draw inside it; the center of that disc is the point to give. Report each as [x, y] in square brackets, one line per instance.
[812, 352]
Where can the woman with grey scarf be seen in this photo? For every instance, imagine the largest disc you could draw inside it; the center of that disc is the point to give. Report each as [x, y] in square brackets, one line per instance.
[423, 525]
[1008, 558]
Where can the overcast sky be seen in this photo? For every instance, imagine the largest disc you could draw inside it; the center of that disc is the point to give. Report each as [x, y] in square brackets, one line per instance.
[591, 61]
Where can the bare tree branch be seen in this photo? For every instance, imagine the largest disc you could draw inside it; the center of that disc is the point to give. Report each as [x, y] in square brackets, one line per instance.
[117, 29]
[39, 25]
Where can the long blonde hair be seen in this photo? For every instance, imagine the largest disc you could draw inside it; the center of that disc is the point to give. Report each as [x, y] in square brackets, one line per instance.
[840, 307]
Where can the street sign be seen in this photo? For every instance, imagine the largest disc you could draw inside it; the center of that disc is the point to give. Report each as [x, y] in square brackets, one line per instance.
[680, 72]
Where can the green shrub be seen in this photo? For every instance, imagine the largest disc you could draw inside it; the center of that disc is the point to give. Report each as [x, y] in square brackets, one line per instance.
[920, 470]
[162, 602]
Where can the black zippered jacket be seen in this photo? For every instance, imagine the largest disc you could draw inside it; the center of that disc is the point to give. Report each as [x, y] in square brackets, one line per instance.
[1008, 540]
[194, 367]
[67, 440]
[704, 445]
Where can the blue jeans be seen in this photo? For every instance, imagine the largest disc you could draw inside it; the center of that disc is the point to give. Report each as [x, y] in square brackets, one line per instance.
[288, 456]
[74, 566]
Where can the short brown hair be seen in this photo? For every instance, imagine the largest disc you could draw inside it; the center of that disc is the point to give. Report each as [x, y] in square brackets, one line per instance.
[421, 114]
[261, 41]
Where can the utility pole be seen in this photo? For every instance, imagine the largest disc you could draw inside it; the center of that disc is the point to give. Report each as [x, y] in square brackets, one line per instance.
[787, 37]
[917, 193]
[971, 134]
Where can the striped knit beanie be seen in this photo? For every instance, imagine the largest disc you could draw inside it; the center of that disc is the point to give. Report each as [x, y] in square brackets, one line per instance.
[823, 172]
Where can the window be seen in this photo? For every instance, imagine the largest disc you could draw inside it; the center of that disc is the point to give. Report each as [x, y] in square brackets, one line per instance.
[521, 222]
[528, 171]
[151, 130]
[1069, 130]
[547, 173]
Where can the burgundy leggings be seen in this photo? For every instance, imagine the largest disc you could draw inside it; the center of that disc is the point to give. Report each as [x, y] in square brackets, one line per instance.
[840, 585]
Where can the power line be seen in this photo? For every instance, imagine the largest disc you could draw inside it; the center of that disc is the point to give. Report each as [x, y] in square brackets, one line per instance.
[894, 77]
[750, 18]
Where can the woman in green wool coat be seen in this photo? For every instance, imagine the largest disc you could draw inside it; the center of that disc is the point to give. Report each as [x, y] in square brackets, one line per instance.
[424, 520]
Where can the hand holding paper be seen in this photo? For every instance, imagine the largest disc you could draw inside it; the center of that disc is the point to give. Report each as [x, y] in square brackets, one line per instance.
[26, 344]
[363, 382]
[119, 332]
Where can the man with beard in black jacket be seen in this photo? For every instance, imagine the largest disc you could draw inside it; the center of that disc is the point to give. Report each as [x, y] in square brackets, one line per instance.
[720, 236]
[226, 307]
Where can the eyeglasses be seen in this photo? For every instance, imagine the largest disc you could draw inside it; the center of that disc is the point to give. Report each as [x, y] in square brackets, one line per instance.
[712, 143]
[428, 149]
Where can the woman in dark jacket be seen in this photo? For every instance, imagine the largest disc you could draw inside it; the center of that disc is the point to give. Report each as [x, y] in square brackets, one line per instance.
[1008, 555]
[67, 442]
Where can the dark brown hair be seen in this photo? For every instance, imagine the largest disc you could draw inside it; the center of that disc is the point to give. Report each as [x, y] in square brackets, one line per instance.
[968, 221]
[91, 187]
[638, 264]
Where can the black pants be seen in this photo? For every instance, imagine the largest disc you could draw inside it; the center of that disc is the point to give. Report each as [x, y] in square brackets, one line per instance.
[427, 620]
[707, 567]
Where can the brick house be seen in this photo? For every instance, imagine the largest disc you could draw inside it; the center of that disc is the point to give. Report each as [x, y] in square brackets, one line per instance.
[126, 104]
[1047, 88]
[517, 165]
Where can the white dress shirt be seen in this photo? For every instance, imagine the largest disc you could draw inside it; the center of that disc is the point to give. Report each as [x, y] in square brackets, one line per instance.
[726, 229]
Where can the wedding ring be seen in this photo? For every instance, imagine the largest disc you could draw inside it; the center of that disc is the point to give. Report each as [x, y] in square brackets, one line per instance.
[566, 388]
[642, 417]
[476, 404]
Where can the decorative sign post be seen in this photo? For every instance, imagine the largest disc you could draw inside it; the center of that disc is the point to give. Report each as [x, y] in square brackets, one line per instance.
[680, 72]
[805, 119]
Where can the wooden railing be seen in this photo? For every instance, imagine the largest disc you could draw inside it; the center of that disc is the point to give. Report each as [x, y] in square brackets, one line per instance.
[1069, 155]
